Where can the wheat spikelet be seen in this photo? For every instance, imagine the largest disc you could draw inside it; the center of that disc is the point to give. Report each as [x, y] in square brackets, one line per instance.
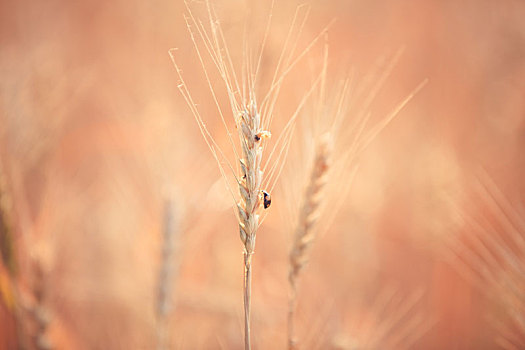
[305, 233]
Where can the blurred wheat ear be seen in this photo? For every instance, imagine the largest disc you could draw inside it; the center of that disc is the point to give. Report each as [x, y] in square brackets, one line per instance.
[8, 263]
[492, 257]
[335, 158]
[391, 321]
[305, 233]
[7, 249]
[39, 312]
[33, 314]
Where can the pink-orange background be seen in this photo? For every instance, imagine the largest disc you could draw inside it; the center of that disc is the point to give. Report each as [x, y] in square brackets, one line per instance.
[93, 131]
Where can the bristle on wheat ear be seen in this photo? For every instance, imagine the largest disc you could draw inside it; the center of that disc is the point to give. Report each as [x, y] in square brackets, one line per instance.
[305, 233]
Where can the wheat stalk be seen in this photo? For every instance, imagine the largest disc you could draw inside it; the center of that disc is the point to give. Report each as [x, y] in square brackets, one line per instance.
[168, 272]
[305, 233]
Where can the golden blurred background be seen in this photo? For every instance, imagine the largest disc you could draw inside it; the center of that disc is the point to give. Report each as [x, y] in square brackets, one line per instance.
[100, 157]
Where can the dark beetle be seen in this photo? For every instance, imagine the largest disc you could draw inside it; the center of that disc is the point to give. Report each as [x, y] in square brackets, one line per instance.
[267, 199]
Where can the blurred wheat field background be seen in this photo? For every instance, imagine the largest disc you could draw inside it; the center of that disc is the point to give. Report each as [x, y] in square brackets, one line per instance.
[117, 229]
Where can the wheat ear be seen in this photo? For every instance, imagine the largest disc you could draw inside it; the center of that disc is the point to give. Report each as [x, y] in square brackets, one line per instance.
[32, 317]
[251, 135]
[251, 122]
[305, 233]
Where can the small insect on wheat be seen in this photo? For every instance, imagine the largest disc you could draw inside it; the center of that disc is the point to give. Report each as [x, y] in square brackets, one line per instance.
[267, 199]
